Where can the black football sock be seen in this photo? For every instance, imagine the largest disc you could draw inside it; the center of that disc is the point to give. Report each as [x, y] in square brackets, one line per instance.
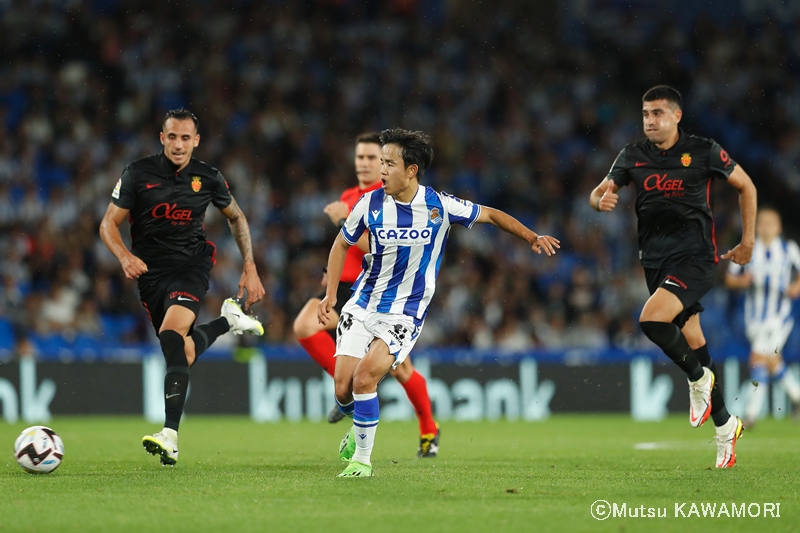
[204, 335]
[176, 382]
[670, 339]
[719, 412]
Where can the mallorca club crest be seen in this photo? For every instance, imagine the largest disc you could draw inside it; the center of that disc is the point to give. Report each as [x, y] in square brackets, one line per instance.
[686, 159]
[435, 216]
[196, 183]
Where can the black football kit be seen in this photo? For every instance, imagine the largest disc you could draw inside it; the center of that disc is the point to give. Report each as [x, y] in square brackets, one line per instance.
[167, 210]
[674, 207]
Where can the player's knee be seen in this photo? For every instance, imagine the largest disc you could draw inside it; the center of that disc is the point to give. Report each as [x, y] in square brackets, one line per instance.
[661, 333]
[343, 390]
[403, 372]
[189, 350]
[173, 346]
[652, 312]
[304, 325]
[299, 327]
[364, 382]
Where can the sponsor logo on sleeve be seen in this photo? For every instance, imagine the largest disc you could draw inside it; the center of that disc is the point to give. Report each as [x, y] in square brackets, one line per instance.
[115, 192]
[725, 158]
[457, 199]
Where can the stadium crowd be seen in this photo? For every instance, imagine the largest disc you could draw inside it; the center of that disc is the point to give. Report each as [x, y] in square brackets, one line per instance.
[524, 117]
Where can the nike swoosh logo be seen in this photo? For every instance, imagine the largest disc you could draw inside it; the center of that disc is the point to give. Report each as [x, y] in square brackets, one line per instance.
[692, 417]
[671, 283]
[151, 185]
[181, 298]
[640, 164]
[173, 395]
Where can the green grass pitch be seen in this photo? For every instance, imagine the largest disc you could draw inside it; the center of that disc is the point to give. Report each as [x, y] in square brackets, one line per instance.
[236, 475]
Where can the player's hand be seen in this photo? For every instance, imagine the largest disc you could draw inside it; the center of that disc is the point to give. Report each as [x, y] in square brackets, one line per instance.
[251, 283]
[133, 266]
[336, 211]
[745, 280]
[324, 309]
[546, 243]
[609, 199]
[793, 291]
[740, 254]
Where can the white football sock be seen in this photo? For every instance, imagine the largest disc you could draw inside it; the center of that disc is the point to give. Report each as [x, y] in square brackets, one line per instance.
[365, 421]
[791, 386]
[758, 394]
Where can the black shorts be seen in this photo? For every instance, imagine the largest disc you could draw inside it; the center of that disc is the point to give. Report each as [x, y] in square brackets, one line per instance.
[689, 281]
[186, 286]
[343, 294]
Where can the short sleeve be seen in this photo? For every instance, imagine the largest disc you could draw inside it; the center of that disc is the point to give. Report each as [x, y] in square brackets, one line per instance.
[460, 211]
[794, 255]
[124, 195]
[356, 223]
[222, 196]
[618, 172]
[720, 164]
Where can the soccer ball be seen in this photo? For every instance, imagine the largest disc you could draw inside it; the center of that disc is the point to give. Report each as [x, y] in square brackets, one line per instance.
[38, 450]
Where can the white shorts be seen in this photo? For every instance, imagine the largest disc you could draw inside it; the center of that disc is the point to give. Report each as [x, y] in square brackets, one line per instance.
[358, 327]
[769, 337]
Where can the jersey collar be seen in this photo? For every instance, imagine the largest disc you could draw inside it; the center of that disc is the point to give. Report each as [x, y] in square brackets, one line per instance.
[682, 139]
[168, 166]
[416, 195]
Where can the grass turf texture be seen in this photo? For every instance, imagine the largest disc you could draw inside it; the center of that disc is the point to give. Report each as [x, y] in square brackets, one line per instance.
[236, 475]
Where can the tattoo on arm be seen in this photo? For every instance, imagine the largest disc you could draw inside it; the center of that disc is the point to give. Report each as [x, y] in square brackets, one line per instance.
[240, 230]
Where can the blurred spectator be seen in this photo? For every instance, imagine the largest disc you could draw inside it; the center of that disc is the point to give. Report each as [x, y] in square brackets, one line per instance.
[87, 319]
[527, 110]
[57, 314]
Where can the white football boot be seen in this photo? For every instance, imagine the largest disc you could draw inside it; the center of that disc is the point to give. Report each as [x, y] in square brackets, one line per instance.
[239, 321]
[727, 436]
[700, 398]
[162, 444]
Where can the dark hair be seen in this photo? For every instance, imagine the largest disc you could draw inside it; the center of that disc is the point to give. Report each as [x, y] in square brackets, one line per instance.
[371, 137]
[415, 147]
[664, 92]
[180, 114]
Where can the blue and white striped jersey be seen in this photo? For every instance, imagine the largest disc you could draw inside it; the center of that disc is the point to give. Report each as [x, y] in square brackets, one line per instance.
[773, 268]
[407, 243]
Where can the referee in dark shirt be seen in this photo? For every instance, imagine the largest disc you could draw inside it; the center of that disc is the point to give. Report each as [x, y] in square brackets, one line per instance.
[673, 175]
[165, 197]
